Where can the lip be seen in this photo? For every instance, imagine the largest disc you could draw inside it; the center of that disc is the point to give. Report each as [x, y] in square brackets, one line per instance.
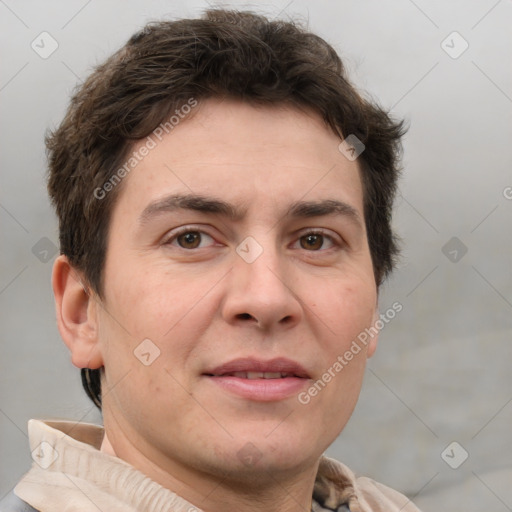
[260, 389]
[251, 364]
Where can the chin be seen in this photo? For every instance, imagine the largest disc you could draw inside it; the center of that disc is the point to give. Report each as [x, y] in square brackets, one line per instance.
[279, 452]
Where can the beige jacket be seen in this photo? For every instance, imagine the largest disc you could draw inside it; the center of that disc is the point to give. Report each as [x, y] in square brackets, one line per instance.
[70, 474]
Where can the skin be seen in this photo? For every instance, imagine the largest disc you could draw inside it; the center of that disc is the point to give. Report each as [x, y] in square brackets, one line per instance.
[303, 298]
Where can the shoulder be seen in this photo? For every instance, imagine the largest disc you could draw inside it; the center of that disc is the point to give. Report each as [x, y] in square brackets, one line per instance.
[11, 503]
[336, 485]
[379, 497]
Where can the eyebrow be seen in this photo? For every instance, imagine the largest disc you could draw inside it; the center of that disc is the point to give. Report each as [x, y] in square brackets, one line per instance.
[308, 209]
[199, 203]
[193, 202]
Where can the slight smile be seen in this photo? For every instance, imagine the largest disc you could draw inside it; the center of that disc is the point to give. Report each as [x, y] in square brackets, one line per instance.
[259, 380]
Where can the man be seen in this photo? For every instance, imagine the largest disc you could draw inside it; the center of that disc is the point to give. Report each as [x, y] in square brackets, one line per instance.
[224, 199]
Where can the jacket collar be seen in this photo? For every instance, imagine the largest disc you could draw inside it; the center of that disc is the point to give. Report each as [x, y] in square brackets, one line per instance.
[334, 489]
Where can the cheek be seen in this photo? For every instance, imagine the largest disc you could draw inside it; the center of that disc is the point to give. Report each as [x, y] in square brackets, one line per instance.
[150, 304]
[154, 316]
[347, 309]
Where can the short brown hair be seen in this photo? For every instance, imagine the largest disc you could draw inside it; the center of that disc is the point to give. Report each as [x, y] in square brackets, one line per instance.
[233, 54]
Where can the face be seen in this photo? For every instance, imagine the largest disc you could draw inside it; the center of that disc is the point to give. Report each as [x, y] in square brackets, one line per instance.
[237, 273]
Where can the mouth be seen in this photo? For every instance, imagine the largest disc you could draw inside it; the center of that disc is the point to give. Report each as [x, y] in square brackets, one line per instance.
[259, 380]
[257, 375]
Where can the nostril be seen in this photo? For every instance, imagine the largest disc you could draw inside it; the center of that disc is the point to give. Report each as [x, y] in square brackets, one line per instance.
[244, 316]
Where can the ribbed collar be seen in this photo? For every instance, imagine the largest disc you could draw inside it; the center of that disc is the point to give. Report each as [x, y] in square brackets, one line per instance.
[68, 463]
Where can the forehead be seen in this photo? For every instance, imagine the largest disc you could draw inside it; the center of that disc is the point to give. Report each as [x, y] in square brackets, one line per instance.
[266, 155]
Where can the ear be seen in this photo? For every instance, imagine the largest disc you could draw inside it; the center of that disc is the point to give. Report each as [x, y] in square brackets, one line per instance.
[77, 315]
[372, 345]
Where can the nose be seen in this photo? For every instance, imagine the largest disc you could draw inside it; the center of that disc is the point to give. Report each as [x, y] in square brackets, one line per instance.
[260, 293]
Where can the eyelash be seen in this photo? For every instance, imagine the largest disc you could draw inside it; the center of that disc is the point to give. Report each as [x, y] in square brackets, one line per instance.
[335, 243]
[184, 231]
[191, 229]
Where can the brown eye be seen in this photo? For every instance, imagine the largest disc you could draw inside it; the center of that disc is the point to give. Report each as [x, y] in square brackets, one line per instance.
[189, 240]
[312, 242]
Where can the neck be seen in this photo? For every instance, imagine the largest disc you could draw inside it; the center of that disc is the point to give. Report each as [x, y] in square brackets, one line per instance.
[213, 492]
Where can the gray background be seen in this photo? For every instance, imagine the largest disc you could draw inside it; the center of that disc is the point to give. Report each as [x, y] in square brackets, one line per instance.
[441, 373]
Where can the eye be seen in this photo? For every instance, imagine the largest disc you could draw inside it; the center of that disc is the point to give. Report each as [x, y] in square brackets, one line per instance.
[315, 241]
[191, 239]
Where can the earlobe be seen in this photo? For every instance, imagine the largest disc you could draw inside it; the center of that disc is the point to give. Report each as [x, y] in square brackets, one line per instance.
[372, 345]
[77, 317]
